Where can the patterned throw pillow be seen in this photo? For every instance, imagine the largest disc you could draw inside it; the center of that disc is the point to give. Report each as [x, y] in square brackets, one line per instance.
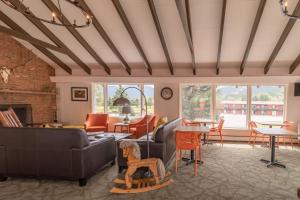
[9, 119]
[160, 122]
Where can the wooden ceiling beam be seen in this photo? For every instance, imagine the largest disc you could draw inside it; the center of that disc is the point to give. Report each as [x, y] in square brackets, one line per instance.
[129, 29]
[161, 35]
[45, 51]
[52, 7]
[221, 36]
[184, 21]
[53, 38]
[295, 64]
[282, 38]
[188, 16]
[259, 13]
[105, 36]
[30, 39]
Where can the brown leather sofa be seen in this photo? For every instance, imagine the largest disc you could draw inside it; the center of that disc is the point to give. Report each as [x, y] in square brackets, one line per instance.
[162, 146]
[53, 153]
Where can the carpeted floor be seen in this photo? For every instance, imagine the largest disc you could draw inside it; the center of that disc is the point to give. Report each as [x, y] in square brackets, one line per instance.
[229, 172]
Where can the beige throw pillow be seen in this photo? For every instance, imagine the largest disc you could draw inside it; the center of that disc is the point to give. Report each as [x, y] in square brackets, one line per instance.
[160, 122]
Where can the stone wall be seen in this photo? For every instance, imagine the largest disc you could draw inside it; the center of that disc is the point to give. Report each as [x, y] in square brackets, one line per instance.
[30, 74]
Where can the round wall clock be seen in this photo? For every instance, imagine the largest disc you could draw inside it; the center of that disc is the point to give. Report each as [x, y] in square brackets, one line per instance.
[166, 93]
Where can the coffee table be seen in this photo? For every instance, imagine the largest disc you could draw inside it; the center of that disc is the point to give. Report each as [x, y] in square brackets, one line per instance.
[117, 136]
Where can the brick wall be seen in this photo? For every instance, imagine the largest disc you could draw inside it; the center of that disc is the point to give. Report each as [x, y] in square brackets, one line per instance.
[29, 73]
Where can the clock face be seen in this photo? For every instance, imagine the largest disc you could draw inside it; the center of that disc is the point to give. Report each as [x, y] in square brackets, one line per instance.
[166, 93]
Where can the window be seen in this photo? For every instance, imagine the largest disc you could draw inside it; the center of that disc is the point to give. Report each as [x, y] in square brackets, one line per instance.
[99, 98]
[196, 102]
[149, 93]
[231, 104]
[267, 103]
[105, 94]
[114, 92]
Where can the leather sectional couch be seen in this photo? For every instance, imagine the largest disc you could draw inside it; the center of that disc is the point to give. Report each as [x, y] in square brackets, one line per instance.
[162, 146]
[53, 153]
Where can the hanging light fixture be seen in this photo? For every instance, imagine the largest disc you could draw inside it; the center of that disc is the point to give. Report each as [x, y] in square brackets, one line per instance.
[284, 9]
[56, 18]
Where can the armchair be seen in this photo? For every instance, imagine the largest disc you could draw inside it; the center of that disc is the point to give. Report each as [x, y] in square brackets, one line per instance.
[139, 129]
[96, 122]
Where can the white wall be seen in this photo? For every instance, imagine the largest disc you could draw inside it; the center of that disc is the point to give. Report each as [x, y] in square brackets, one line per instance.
[68, 111]
[75, 112]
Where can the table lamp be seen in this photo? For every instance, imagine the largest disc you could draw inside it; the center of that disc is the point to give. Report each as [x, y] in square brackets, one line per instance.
[126, 110]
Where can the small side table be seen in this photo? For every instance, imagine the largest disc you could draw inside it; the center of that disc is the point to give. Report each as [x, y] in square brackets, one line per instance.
[122, 126]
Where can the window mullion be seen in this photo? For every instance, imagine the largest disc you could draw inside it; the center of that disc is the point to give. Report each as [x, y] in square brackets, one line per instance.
[249, 104]
[213, 103]
[105, 93]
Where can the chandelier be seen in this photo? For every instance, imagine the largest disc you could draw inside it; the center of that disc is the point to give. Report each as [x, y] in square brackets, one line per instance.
[284, 9]
[56, 18]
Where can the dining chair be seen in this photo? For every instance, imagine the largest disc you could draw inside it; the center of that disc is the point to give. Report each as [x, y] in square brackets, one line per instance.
[218, 130]
[253, 134]
[188, 141]
[288, 126]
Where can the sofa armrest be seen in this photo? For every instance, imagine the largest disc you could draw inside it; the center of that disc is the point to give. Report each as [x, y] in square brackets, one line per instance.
[93, 157]
[157, 150]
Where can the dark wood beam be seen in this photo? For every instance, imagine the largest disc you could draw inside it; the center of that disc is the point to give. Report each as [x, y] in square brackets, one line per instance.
[53, 38]
[45, 51]
[259, 13]
[52, 7]
[161, 35]
[184, 21]
[221, 36]
[282, 38]
[128, 27]
[105, 37]
[30, 39]
[295, 64]
[188, 17]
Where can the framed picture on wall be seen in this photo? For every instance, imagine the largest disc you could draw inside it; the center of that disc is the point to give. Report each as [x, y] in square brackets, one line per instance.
[79, 93]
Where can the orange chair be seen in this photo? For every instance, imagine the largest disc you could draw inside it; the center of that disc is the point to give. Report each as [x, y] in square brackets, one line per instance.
[96, 122]
[188, 141]
[217, 130]
[139, 129]
[252, 125]
[288, 126]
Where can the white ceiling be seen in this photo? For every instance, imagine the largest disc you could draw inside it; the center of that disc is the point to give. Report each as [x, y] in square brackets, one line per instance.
[205, 20]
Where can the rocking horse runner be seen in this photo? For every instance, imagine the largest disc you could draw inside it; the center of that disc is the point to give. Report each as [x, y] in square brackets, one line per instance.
[158, 177]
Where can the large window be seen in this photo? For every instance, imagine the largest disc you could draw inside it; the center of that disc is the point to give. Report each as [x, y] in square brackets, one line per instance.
[267, 103]
[196, 102]
[231, 104]
[105, 94]
[99, 98]
[149, 93]
[237, 104]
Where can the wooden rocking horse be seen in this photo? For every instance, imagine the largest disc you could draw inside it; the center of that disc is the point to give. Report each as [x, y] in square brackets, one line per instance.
[157, 177]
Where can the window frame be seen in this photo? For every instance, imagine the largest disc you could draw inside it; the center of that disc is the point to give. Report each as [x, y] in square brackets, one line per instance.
[249, 98]
[105, 93]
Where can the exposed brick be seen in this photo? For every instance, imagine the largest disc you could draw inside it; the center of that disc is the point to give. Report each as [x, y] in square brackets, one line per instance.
[30, 73]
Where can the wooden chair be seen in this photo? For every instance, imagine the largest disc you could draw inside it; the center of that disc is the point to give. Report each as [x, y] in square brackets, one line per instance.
[96, 122]
[252, 125]
[218, 130]
[188, 141]
[288, 126]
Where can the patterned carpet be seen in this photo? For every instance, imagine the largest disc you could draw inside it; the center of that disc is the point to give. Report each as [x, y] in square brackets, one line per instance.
[229, 172]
